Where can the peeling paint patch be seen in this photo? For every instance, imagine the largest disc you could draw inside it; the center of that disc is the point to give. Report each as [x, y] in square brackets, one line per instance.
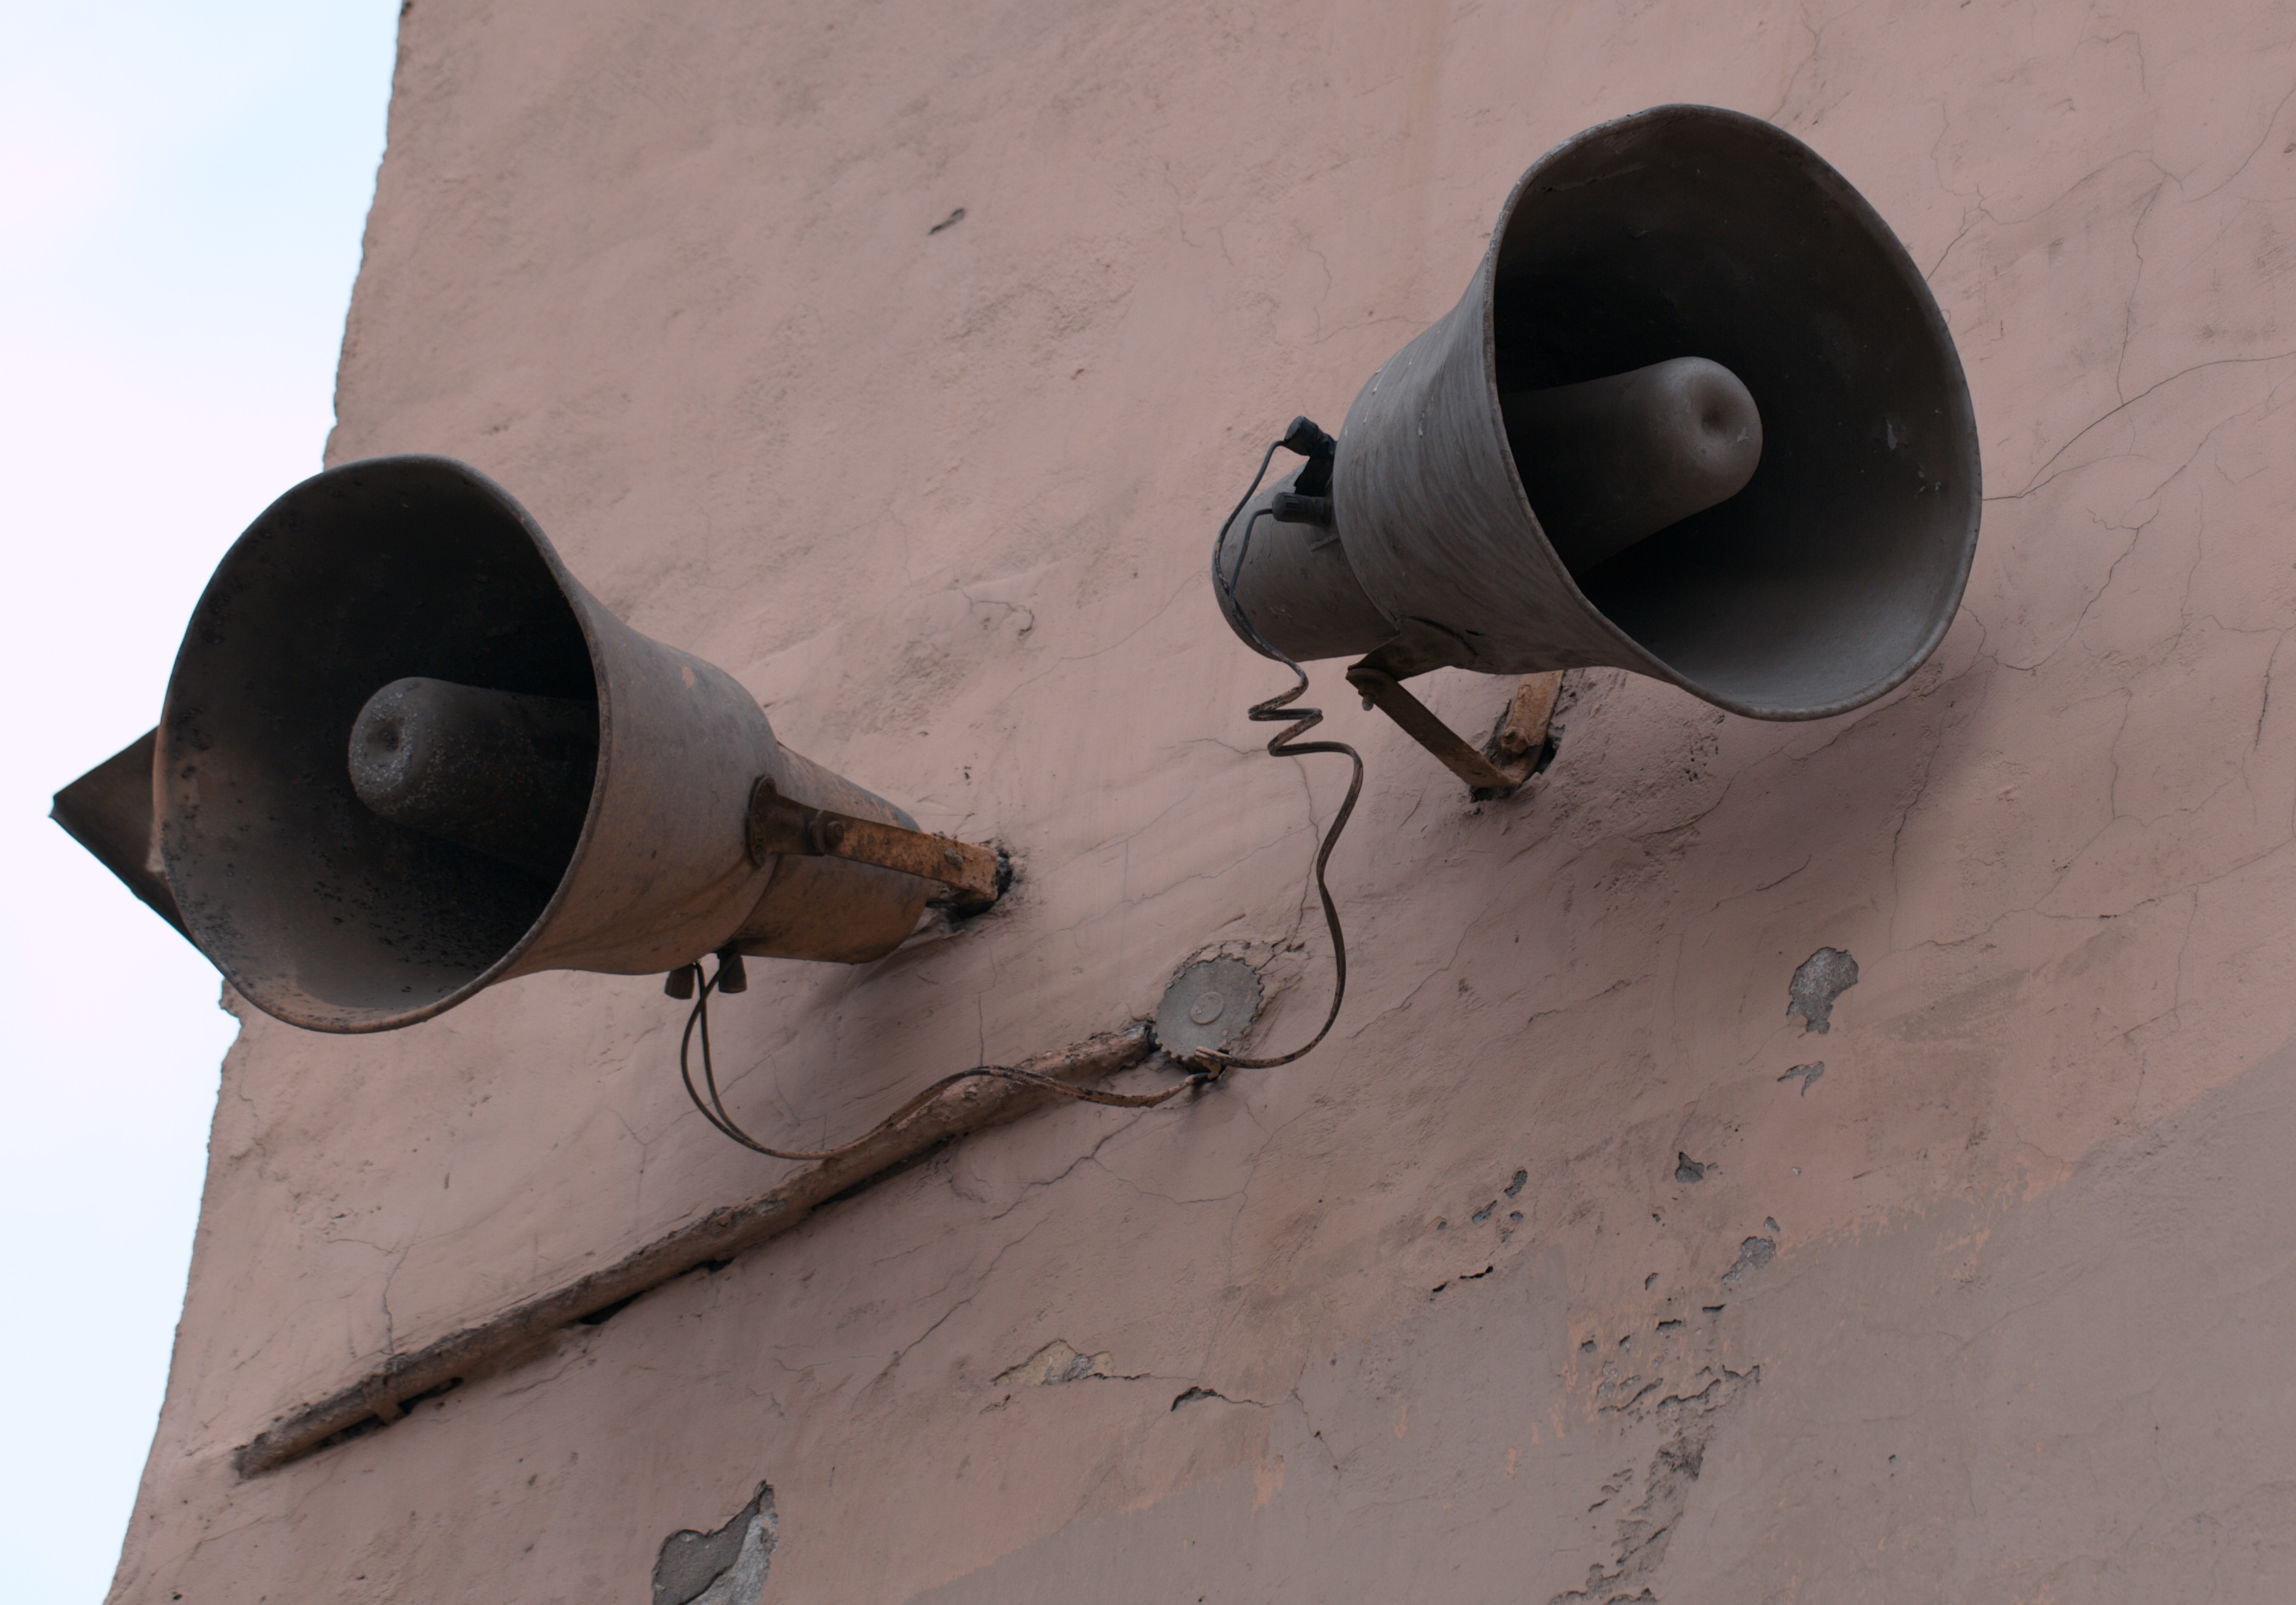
[1646, 1530]
[1464, 1276]
[1054, 1364]
[1688, 1169]
[725, 1568]
[1806, 1073]
[1193, 1395]
[1753, 1254]
[1824, 976]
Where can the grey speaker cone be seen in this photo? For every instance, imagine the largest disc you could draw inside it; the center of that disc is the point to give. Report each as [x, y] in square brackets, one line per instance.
[1680, 231]
[420, 572]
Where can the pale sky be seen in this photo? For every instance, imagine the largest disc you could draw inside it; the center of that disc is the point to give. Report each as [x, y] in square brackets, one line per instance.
[181, 192]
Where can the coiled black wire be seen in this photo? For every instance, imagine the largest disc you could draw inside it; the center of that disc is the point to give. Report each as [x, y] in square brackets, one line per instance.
[1208, 1064]
[1286, 743]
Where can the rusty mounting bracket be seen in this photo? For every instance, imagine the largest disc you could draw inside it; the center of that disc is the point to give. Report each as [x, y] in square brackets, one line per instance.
[1520, 744]
[975, 876]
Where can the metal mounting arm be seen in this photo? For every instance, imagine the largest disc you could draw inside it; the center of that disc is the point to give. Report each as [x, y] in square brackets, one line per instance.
[1519, 747]
[974, 875]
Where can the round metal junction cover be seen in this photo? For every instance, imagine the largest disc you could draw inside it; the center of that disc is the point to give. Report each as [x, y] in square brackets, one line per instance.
[1209, 1005]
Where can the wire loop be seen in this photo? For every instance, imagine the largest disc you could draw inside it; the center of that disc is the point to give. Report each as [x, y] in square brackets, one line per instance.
[1286, 743]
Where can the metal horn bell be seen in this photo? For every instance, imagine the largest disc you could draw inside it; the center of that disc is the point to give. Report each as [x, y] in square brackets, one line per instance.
[405, 756]
[1697, 416]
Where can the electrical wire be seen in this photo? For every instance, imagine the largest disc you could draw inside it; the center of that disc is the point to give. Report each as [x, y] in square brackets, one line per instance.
[1205, 1064]
[1285, 743]
[713, 1110]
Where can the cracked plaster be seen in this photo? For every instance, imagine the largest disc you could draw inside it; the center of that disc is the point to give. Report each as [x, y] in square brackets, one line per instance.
[942, 501]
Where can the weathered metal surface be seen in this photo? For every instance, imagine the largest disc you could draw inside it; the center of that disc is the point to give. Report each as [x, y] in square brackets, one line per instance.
[1517, 746]
[1419, 722]
[507, 774]
[1530, 716]
[329, 915]
[382, 1396]
[1291, 579]
[109, 812]
[1614, 461]
[1209, 1005]
[781, 824]
[1682, 232]
[821, 907]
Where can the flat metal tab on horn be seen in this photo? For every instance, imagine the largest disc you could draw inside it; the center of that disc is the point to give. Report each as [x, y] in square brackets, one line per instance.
[108, 811]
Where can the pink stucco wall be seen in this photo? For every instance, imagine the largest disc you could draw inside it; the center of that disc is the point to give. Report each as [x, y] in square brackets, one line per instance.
[942, 501]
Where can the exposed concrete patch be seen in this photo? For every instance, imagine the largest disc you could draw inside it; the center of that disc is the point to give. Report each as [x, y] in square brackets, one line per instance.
[1054, 1364]
[1688, 1169]
[725, 1568]
[1824, 976]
